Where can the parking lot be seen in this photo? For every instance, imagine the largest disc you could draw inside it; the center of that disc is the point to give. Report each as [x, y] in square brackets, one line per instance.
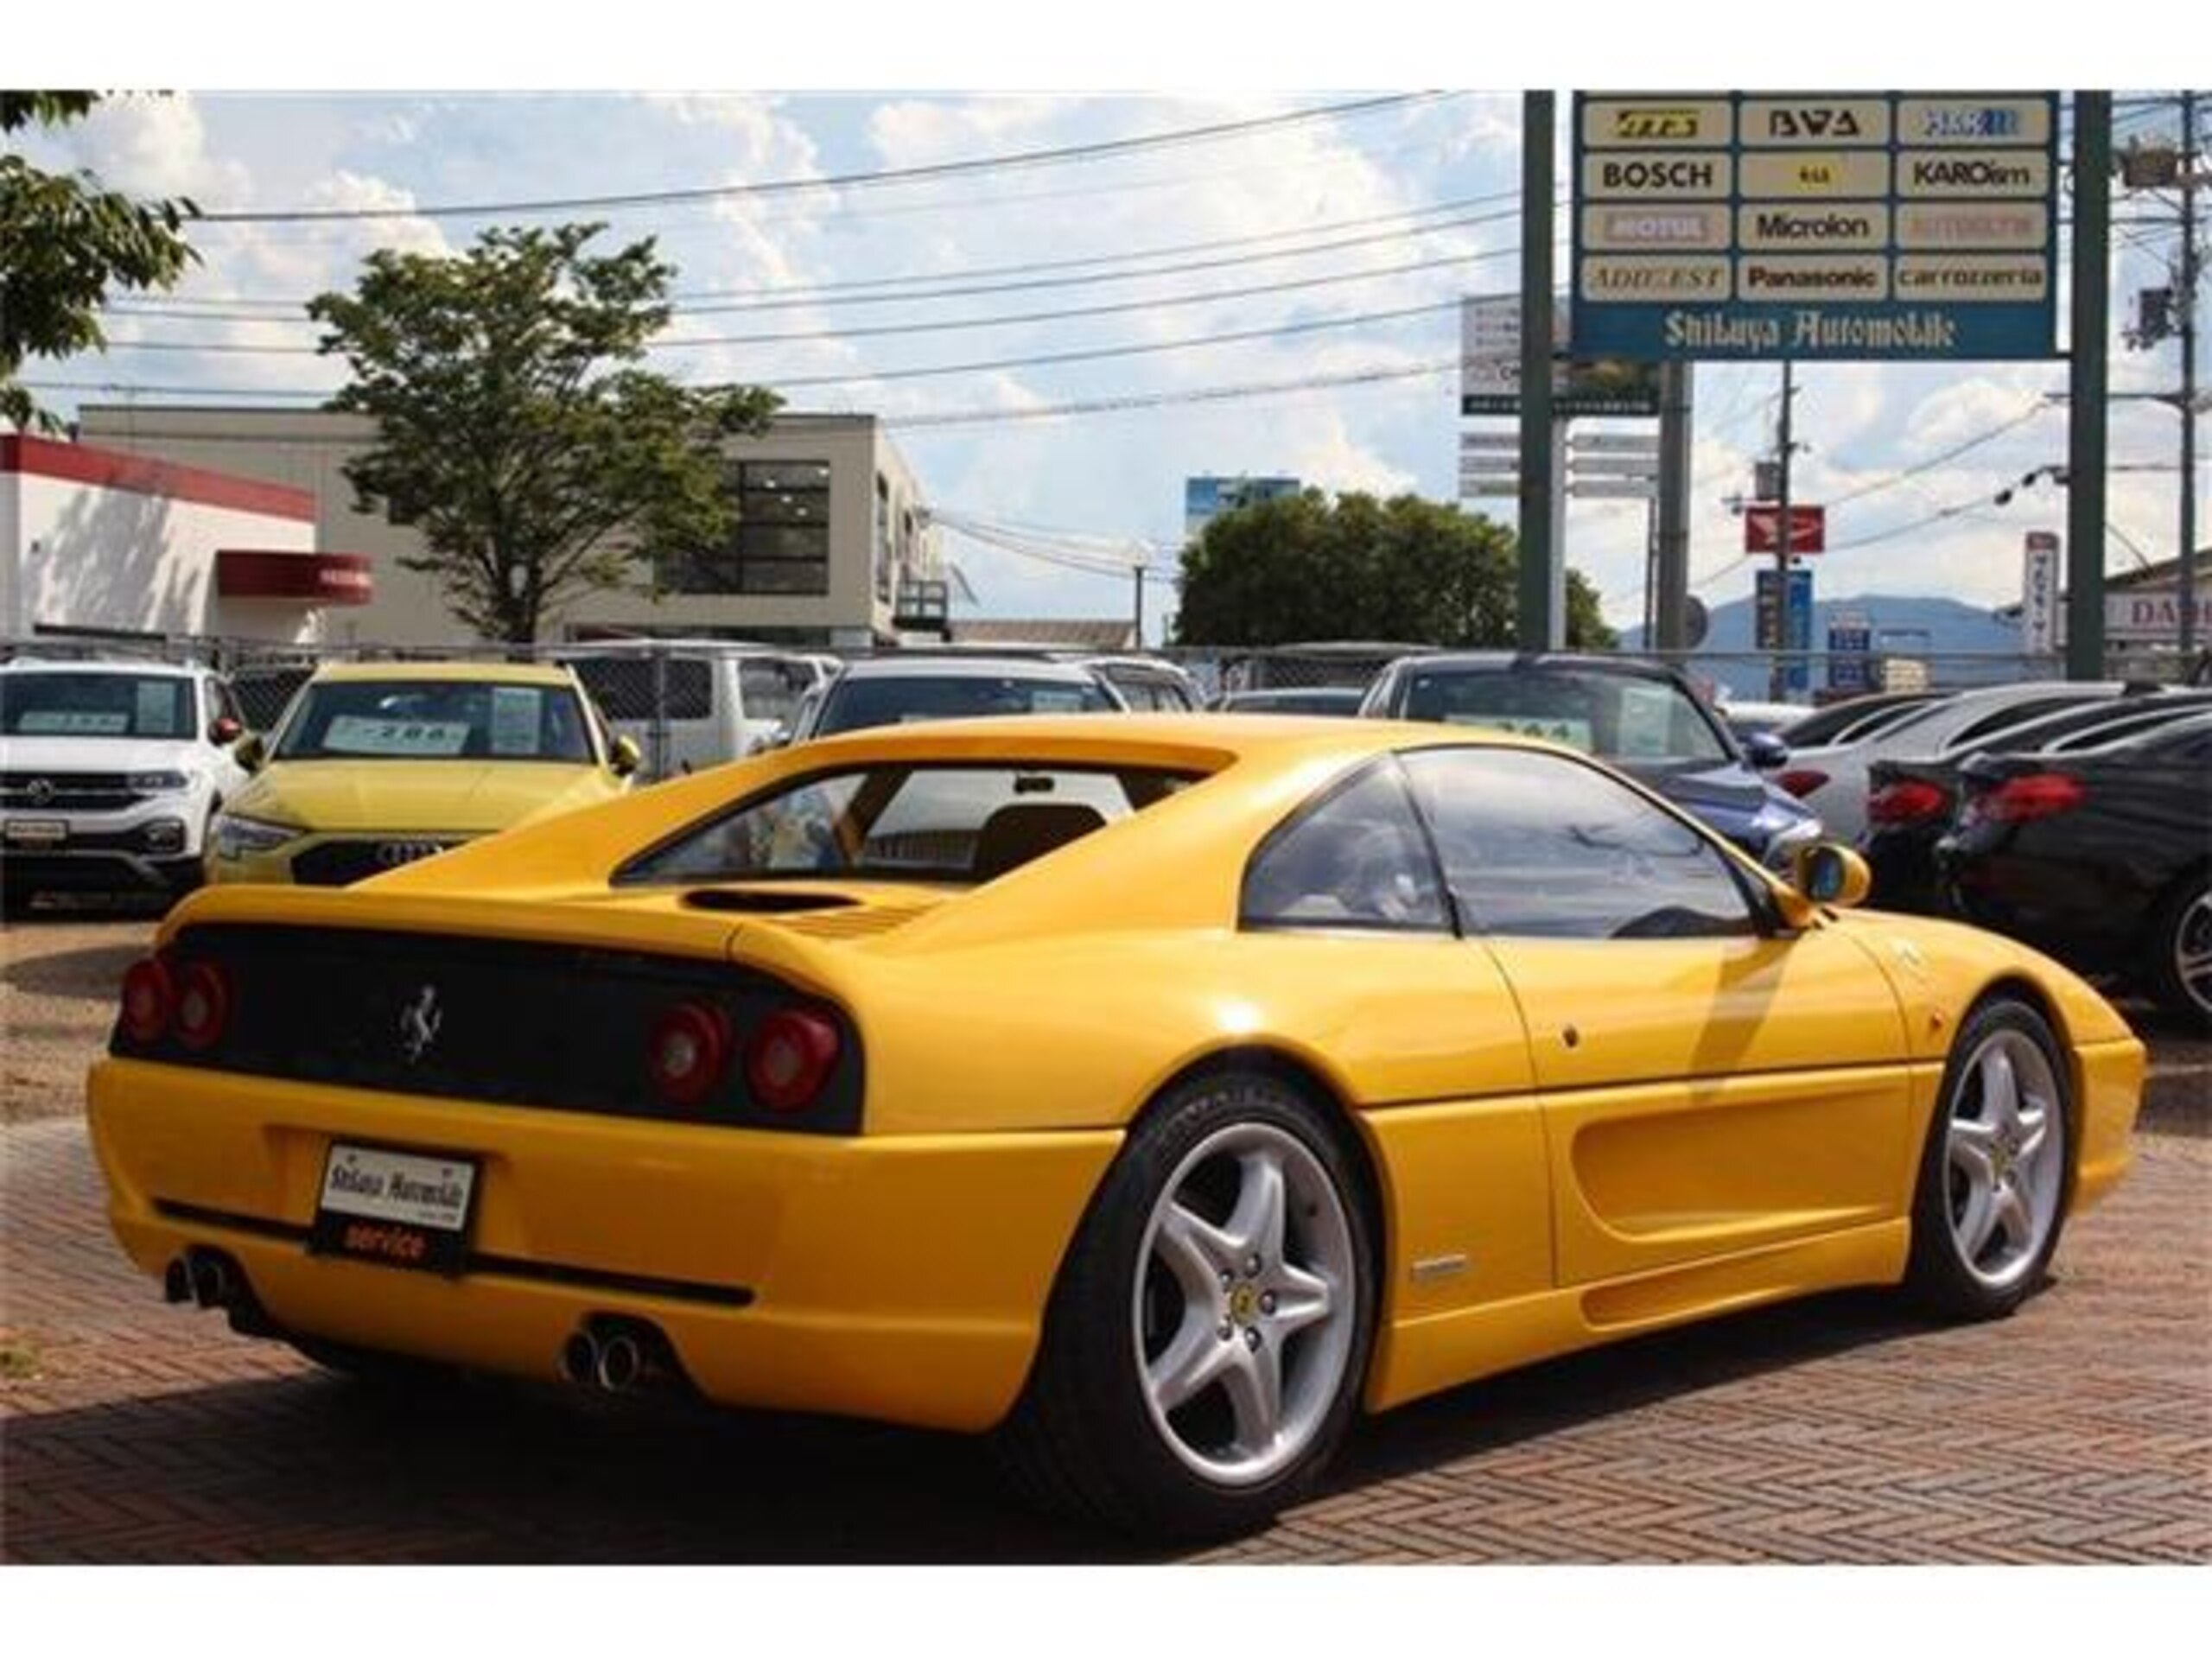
[1835, 1430]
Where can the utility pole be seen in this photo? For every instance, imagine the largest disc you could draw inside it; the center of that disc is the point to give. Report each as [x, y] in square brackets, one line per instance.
[1671, 556]
[2089, 379]
[1778, 678]
[2187, 302]
[1136, 573]
[1539, 624]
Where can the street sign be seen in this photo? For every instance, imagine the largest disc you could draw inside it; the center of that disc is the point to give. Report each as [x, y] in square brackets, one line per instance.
[1624, 443]
[1886, 225]
[1762, 524]
[1616, 489]
[1477, 442]
[1489, 366]
[1490, 485]
[1787, 627]
[1851, 645]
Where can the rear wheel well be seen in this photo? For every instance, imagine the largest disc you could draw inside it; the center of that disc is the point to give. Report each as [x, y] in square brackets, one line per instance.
[1294, 1073]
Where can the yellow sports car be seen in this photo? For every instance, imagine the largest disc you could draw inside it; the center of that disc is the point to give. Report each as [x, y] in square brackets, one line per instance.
[1156, 1091]
[376, 764]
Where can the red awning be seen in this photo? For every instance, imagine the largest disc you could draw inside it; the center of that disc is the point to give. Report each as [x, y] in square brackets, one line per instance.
[311, 578]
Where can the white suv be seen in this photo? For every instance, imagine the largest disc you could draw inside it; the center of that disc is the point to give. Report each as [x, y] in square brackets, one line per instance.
[109, 774]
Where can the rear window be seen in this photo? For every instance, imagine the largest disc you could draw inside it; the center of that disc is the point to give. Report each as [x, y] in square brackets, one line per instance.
[1620, 716]
[899, 700]
[952, 824]
[2012, 715]
[624, 688]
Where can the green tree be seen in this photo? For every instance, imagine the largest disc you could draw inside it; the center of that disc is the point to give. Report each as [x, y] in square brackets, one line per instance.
[64, 241]
[515, 428]
[1305, 567]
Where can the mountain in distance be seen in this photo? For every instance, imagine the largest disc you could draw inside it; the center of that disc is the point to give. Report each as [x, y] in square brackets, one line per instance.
[1912, 625]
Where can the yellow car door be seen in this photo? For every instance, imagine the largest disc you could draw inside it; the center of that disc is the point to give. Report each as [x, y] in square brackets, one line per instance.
[1710, 1082]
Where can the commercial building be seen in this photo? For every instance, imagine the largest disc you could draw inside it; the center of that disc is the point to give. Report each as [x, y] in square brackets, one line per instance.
[831, 547]
[1208, 496]
[101, 543]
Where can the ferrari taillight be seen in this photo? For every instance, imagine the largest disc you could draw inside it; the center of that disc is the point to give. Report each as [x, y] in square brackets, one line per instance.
[149, 997]
[2039, 795]
[1910, 800]
[790, 1059]
[689, 1051]
[203, 1004]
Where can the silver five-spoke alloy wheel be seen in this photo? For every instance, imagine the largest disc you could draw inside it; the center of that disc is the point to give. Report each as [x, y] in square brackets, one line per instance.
[1245, 1304]
[2004, 1163]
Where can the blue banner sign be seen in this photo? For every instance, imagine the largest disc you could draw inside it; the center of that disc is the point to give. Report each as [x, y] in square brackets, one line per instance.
[1746, 225]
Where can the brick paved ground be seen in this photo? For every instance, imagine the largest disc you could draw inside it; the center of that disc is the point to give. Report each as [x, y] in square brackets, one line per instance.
[1831, 1431]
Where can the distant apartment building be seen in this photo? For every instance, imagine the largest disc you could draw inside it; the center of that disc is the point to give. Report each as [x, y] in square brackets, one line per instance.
[831, 544]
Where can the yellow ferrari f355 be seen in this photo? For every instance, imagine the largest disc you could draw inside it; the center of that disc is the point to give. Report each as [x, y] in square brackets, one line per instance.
[1156, 1093]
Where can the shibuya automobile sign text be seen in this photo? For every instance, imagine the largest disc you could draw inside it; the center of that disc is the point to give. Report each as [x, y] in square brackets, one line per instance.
[1867, 226]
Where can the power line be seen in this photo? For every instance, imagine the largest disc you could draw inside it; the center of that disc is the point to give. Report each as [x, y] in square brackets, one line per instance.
[1007, 161]
[1990, 436]
[239, 348]
[787, 296]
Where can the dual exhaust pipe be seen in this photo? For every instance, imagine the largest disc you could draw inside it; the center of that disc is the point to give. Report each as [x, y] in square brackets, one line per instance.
[615, 1355]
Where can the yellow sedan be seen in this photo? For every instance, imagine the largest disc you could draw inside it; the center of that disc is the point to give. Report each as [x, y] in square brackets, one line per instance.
[377, 765]
[1155, 1093]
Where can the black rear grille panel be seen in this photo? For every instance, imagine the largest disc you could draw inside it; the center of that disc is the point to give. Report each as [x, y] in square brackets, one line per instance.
[517, 1023]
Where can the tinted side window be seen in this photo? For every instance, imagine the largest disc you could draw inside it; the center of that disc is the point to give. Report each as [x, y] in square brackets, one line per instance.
[2012, 715]
[1536, 846]
[1354, 857]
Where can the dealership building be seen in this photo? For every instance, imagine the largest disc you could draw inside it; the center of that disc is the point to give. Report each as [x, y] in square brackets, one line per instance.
[831, 546]
[96, 541]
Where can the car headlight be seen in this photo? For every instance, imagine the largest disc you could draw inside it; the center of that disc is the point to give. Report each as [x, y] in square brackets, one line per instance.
[159, 782]
[238, 837]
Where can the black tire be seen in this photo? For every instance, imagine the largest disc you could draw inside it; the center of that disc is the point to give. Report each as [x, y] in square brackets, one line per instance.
[1940, 1275]
[1086, 1439]
[2183, 922]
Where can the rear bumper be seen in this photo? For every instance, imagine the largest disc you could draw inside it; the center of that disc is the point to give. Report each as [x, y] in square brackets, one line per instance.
[901, 1278]
[98, 869]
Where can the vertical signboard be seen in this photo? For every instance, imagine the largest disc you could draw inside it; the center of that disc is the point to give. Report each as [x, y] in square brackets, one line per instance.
[1851, 643]
[1746, 224]
[2039, 593]
[1489, 366]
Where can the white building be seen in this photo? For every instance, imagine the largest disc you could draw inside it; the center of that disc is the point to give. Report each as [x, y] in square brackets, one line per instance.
[95, 541]
[832, 546]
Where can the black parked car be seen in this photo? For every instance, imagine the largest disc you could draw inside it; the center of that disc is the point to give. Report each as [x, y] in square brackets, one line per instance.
[1910, 803]
[1640, 717]
[2102, 858]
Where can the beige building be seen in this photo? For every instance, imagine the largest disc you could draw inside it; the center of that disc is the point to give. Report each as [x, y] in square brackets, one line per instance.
[832, 545]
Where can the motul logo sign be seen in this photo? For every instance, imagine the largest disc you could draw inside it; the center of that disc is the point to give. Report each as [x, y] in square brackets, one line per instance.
[1808, 529]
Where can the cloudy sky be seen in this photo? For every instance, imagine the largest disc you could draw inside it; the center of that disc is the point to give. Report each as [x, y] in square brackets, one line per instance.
[1293, 237]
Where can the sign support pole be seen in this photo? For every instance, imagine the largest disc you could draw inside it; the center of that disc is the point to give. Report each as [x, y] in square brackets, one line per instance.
[1778, 678]
[1538, 626]
[2187, 639]
[1672, 557]
[2088, 382]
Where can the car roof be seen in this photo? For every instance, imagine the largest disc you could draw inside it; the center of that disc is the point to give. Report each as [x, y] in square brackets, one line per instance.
[100, 665]
[1206, 741]
[468, 673]
[1491, 662]
[924, 666]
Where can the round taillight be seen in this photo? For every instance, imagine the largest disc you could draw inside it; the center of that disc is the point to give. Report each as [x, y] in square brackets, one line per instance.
[149, 994]
[203, 1004]
[688, 1053]
[789, 1059]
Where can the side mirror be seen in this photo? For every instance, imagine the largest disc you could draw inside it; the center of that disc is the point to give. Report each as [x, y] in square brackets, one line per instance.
[779, 737]
[1766, 751]
[625, 756]
[250, 752]
[1830, 874]
[225, 730]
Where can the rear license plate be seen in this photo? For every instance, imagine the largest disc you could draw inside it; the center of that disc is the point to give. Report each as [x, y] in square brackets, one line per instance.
[403, 1209]
[36, 832]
